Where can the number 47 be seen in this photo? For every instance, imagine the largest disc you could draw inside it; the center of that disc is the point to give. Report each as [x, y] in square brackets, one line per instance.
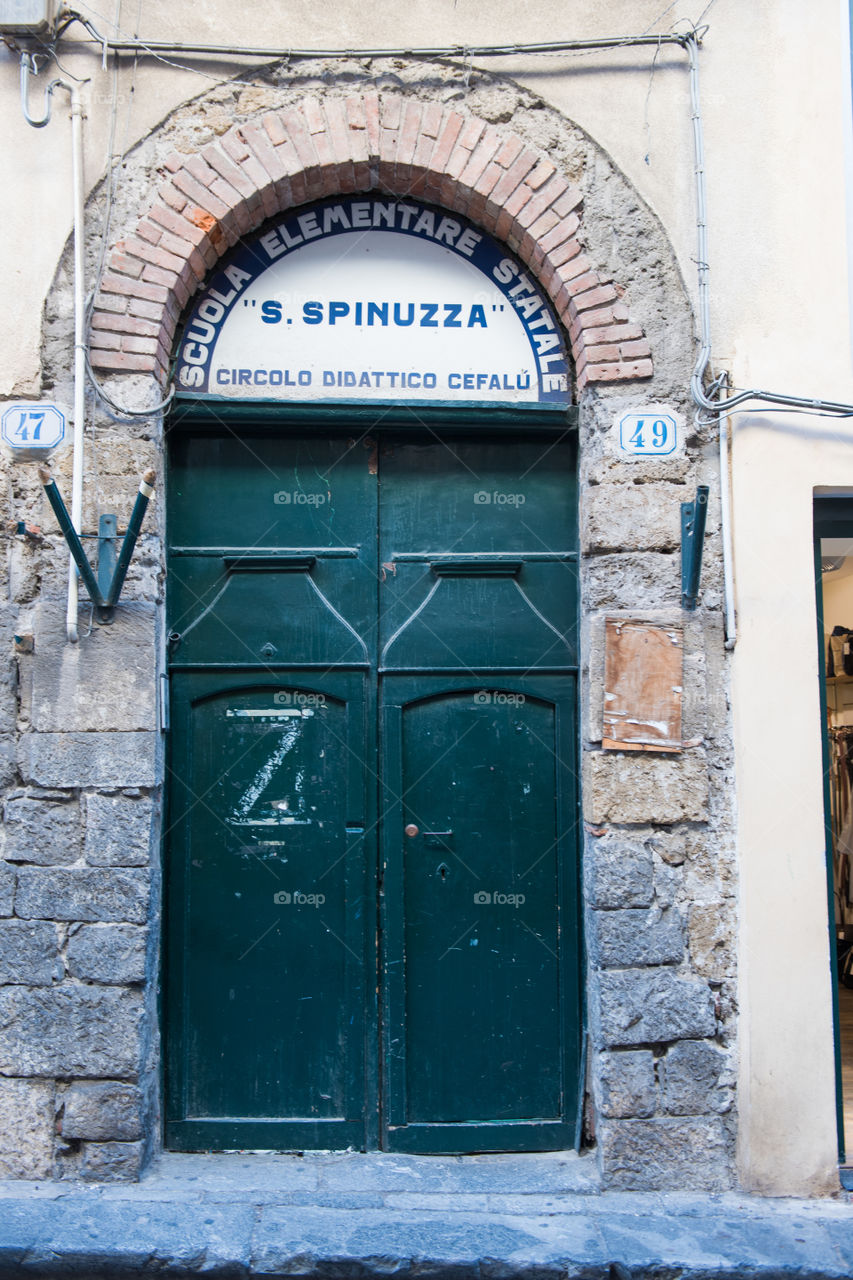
[22, 430]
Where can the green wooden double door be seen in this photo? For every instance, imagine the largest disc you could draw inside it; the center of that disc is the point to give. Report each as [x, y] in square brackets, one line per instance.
[371, 861]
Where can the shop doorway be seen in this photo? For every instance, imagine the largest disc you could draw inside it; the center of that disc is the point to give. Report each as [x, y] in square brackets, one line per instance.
[372, 857]
[834, 572]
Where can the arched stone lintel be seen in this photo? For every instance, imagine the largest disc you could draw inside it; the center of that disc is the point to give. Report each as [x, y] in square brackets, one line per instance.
[334, 146]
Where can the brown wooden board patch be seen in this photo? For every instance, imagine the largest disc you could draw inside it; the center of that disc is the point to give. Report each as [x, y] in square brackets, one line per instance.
[642, 686]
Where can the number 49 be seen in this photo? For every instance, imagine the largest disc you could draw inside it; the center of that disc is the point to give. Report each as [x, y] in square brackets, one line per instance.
[658, 431]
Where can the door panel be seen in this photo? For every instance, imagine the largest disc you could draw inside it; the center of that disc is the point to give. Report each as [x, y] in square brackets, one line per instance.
[262, 606]
[300, 508]
[312, 580]
[481, 925]
[479, 495]
[478, 554]
[478, 907]
[482, 1013]
[267, 491]
[476, 615]
[268, 897]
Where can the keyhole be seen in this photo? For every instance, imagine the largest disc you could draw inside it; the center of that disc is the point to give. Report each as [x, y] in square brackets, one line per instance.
[442, 870]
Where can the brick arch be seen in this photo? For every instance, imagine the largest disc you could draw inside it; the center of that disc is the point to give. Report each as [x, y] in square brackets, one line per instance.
[370, 142]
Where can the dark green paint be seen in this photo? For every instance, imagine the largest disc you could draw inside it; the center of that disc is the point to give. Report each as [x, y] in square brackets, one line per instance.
[316, 582]
[693, 517]
[268, 1014]
[194, 411]
[104, 588]
[833, 518]
[479, 1051]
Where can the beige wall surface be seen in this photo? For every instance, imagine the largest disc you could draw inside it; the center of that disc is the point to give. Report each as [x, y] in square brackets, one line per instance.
[786, 315]
[633, 102]
[774, 103]
[786, 1089]
[774, 159]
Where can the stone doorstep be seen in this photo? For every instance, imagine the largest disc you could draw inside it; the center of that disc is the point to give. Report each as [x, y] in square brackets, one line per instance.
[348, 1214]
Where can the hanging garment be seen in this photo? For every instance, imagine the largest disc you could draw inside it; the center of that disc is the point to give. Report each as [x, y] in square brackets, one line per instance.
[839, 657]
[843, 882]
[841, 872]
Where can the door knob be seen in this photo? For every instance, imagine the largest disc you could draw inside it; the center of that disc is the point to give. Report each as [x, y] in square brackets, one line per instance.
[411, 830]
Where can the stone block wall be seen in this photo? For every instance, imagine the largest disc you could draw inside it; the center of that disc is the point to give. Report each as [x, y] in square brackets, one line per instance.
[79, 883]
[73, 962]
[659, 864]
[80, 751]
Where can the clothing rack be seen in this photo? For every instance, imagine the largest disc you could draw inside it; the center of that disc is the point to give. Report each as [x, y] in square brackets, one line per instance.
[841, 795]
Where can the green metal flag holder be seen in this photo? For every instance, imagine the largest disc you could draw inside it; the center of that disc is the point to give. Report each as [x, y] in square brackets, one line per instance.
[693, 515]
[105, 589]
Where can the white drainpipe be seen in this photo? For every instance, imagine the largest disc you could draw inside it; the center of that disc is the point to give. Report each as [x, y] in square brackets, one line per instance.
[28, 66]
[726, 530]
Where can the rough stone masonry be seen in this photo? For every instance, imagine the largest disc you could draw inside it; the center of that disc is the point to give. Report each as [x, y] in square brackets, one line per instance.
[81, 762]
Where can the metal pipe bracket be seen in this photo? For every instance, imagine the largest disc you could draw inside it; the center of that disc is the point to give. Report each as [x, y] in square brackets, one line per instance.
[693, 517]
[105, 588]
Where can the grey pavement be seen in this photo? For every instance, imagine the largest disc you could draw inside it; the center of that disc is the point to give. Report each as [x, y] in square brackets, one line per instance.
[346, 1214]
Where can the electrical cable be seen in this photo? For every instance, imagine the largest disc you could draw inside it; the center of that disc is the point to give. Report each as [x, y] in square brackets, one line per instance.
[118, 412]
[688, 41]
[121, 413]
[106, 224]
[799, 404]
[115, 411]
[152, 47]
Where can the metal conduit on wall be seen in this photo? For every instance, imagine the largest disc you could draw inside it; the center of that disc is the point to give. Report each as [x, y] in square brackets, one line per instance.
[689, 42]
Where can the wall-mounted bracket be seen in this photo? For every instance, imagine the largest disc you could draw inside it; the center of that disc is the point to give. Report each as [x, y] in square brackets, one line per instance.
[105, 589]
[693, 516]
[107, 552]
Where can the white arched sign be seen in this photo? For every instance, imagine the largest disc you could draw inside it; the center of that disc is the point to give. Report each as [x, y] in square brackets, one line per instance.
[365, 298]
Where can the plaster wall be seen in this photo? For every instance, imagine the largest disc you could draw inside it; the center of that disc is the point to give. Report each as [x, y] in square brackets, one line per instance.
[788, 1139]
[764, 189]
[780, 319]
[788, 1133]
[635, 103]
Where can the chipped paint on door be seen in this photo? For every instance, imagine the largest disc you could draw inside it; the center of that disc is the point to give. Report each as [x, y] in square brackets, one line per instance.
[398, 597]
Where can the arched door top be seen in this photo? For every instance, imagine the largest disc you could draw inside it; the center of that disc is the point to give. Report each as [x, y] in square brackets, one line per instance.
[374, 298]
[366, 142]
